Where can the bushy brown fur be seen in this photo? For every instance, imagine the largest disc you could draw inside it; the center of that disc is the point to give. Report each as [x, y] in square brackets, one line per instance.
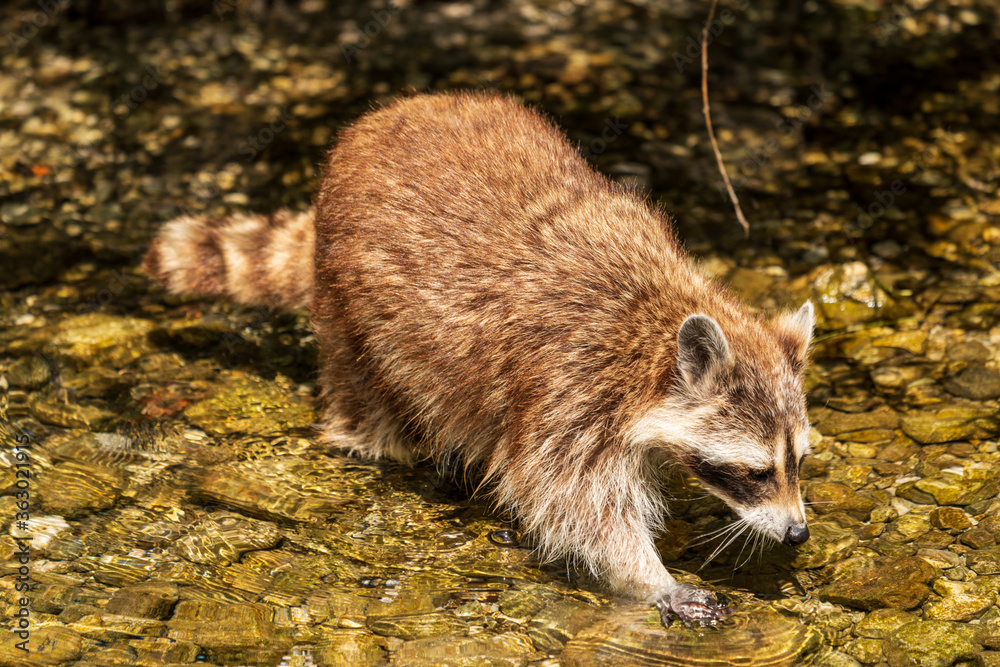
[482, 293]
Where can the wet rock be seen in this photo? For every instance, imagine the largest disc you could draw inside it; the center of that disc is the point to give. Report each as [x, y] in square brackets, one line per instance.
[882, 622]
[975, 382]
[249, 404]
[932, 644]
[951, 424]
[830, 497]
[417, 626]
[914, 342]
[940, 559]
[350, 647]
[911, 526]
[971, 351]
[91, 339]
[991, 523]
[107, 628]
[524, 603]
[950, 519]
[509, 649]
[897, 584]
[984, 561]
[225, 536]
[559, 622]
[158, 651]
[977, 538]
[29, 373]
[958, 607]
[833, 423]
[149, 600]
[49, 645]
[71, 489]
[274, 489]
[848, 294]
[50, 409]
[948, 488]
[224, 630]
[831, 658]
[865, 650]
[635, 637]
[826, 544]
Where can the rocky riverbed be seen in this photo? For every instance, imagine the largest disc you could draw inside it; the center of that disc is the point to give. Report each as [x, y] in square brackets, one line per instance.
[181, 509]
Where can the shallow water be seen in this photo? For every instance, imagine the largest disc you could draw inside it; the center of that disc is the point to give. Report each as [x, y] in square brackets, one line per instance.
[181, 509]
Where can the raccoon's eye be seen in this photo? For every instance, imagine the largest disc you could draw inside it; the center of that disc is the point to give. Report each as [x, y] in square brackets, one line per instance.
[761, 475]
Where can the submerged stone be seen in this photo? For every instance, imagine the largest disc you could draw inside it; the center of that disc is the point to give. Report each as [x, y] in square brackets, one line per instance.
[636, 637]
[951, 424]
[984, 561]
[73, 488]
[249, 404]
[29, 373]
[958, 607]
[898, 584]
[883, 622]
[932, 644]
[91, 339]
[948, 488]
[950, 519]
[148, 600]
[976, 382]
[828, 497]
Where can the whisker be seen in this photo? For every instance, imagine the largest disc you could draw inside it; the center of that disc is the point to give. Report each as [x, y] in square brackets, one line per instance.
[743, 527]
[716, 533]
[728, 526]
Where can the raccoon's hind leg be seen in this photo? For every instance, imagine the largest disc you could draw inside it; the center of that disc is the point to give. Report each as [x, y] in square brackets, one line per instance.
[355, 421]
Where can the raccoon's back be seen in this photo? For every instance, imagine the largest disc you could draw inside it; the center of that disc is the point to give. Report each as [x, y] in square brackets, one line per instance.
[494, 284]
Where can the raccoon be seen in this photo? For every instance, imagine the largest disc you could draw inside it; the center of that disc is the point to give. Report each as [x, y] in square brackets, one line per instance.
[479, 293]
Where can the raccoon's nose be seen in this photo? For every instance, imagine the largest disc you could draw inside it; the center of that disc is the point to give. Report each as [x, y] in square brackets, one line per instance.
[796, 535]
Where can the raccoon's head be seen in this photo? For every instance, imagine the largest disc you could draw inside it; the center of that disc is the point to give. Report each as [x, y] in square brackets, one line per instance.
[736, 419]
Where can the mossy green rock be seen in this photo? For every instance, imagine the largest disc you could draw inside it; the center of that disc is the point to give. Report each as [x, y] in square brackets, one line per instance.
[249, 404]
[898, 584]
[958, 607]
[882, 622]
[91, 339]
[932, 644]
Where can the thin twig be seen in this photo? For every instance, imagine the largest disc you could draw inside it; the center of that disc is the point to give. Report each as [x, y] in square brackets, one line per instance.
[708, 120]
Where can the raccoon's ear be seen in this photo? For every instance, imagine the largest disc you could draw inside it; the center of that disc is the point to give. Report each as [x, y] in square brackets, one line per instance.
[798, 330]
[702, 351]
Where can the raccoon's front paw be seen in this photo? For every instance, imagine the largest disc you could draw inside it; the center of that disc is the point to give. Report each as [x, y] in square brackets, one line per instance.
[691, 605]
